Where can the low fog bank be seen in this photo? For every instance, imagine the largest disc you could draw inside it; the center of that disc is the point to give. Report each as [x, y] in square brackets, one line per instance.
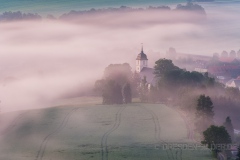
[43, 61]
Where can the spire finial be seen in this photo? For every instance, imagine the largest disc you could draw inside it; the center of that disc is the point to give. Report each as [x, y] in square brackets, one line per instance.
[142, 47]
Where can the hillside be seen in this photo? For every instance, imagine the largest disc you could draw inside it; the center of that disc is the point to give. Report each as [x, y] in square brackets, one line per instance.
[85, 130]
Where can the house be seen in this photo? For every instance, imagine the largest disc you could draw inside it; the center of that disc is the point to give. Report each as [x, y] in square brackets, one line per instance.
[234, 83]
[224, 71]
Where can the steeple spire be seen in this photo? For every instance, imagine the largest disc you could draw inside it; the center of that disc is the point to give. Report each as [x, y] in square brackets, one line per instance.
[141, 60]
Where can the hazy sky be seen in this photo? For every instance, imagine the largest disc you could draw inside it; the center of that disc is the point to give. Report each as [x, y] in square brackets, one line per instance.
[43, 61]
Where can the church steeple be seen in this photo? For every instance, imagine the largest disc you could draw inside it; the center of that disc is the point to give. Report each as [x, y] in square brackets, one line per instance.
[141, 60]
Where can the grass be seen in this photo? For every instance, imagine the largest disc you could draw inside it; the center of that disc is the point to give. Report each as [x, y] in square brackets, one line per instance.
[76, 131]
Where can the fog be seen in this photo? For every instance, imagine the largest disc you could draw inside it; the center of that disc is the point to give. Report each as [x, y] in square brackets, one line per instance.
[44, 61]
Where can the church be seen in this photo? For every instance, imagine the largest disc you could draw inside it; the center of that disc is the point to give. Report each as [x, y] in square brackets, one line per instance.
[143, 69]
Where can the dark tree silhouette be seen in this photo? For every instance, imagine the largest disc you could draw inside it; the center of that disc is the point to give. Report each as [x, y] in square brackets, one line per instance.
[204, 113]
[229, 127]
[112, 85]
[191, 7]
[238, 154]
[112, 93]
[127, 93]
[117, 94]
[11, 16]
[215, 135]
[163, 66]
[136, 81]
[120, 73]
[143, 91]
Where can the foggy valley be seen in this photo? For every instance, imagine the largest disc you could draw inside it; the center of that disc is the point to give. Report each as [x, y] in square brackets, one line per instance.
[49, 67]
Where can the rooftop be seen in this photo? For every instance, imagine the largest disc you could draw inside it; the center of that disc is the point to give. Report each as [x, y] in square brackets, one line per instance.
[142, 56]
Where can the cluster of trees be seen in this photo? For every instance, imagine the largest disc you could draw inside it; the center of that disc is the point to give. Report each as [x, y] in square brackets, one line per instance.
[147, 92]
[204, 113]
[191, 7]
[216, 135]
[172, 75]
[11, 16]
[238, 154]
[188, 90]
[188, 7]
[174, 82]
[229, 127]
[116, 84]
[213, 135]
[74, 13]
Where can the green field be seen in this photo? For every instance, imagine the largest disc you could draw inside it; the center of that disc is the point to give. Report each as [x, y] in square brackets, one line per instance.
[82, 129]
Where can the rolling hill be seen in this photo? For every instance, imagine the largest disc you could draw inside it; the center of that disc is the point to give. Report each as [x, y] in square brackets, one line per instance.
[85, 129]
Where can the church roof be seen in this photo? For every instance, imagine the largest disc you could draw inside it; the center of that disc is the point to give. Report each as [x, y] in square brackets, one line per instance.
[142, 56]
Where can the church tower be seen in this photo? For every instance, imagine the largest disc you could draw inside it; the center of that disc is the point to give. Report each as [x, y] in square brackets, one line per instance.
[141, 61]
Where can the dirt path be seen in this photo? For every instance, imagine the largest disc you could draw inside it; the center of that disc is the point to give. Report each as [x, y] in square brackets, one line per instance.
[189, 125]
[104, 140]
[170, 154]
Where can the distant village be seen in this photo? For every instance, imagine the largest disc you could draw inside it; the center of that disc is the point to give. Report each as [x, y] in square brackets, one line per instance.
[224, 67]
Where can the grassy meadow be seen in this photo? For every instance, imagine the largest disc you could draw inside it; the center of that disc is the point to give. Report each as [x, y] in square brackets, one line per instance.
[86, 130]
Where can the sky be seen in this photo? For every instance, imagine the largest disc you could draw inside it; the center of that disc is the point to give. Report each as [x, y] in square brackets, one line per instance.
[44, 61]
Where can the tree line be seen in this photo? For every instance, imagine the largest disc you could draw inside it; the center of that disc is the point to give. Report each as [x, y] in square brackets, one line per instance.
[116, 84]
[192, 7]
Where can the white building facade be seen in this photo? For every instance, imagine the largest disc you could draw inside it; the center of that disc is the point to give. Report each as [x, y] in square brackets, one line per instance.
[141, 61]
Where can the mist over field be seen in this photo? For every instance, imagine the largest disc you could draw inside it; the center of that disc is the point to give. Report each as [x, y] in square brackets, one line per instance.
[43, 61]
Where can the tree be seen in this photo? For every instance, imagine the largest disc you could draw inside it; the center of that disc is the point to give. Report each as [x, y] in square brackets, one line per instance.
[204, 113]
[238, 154]
[136, 81]
[127, 93]
[107, 92]
[209, 81]
[143, 91]
[120, 73]
[229, 127]
[163, 66]
[117, 94]
[114, 79]
[112, 93]
[215, 135]
[191, 7]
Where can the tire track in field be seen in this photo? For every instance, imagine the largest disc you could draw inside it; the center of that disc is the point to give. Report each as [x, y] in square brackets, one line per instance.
[104, 145]
[158, 134]
[188, 125]
[13, 123]
[157, 128]
[43, 145]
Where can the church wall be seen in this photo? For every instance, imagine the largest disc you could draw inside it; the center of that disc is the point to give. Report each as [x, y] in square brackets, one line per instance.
[140, 64]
